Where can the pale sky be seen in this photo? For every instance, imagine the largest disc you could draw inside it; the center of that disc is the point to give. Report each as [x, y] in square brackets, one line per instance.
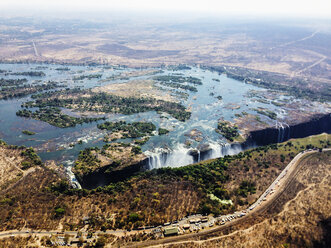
[304, 8]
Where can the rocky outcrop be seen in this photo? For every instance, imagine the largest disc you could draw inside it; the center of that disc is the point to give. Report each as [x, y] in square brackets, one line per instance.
[282, 131]
[107, 174]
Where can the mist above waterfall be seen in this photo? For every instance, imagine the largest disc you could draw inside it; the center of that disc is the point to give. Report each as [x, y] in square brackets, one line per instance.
[182, 156]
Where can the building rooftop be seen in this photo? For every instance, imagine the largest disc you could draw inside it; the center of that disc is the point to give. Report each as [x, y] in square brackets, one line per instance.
[171, 231]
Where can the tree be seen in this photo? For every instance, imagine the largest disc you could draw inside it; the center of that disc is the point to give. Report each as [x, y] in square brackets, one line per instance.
[66, 238]
[59, 212]
[101, 242]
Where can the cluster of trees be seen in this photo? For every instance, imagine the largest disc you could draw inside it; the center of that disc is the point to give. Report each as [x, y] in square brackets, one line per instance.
[179, 67]
[295, 87]
[47, 94]
[163, 131]
[141, 141]
[27, 132]
[91, 76]
[246, 187]
[28, 73]
[12, 82]
[26, 89]
[179, 86]
[179, 79]
[62, 69]
[266, 112]
[136, 150]
[102, 102]
[131, 130]
[179, 82]
[142, 199]
[229, 132]
[54, 117]
[87, 162]
[30, 158]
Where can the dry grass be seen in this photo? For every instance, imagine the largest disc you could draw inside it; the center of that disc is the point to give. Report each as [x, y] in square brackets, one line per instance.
[301, 217]
[9, 166]
[136, 88]
[155, 199]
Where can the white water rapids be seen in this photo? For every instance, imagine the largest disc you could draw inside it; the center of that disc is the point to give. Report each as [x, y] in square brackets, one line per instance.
[182, 155]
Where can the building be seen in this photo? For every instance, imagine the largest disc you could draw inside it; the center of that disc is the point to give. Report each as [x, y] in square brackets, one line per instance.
[171, 231]
[186, 226]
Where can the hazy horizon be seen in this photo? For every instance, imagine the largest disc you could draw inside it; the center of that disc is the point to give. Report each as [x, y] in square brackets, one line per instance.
[319, 9]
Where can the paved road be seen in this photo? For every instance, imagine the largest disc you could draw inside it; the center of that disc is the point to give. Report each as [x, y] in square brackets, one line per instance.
[265, 200]
[281, 181]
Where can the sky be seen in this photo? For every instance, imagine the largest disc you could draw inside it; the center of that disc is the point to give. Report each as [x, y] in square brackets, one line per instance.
[278, 8]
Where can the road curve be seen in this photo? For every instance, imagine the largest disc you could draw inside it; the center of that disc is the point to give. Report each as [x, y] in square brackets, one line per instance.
[281, 181]
[258, 207]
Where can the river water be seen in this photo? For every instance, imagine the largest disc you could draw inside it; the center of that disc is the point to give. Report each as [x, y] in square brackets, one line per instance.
[174, 149]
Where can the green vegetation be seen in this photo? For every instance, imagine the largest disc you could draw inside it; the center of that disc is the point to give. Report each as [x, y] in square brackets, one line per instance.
[59, 212]
[130, 130]
[6, 201]
[102, 102]
[18, 90]
[179, 82]
[179, 67]
[178, 79]
[12, 82]
[179, 86]
[163, 131]
[29, 73]
[153, 197]
[228, 131]
[27, 132]
[54, 117]
[63, 69]
[87, 161]
[89, 77]
[136, 150]
[266, 112]
[246, 187]
[278, 104]
[274, 81]
[30, 156]
[141, 141]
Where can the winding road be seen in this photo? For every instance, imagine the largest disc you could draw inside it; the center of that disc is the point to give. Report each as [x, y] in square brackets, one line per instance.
[262, 204]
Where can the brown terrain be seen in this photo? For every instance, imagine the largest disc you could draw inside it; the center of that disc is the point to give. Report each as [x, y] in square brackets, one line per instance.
[300, 216]
[136, 88]
[293, 50]
[31, 204]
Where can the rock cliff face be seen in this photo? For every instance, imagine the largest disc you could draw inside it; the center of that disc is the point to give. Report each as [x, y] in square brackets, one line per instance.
[107, 174]
[282, 132]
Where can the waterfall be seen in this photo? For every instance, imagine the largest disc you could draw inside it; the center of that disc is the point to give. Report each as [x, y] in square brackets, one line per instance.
[282, 127]
[167, 158]
[288, 132]
[182, 156]
[199, 157]
[71, 175]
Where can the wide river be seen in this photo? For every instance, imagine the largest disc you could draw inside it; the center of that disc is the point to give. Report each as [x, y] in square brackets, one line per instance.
[173, 149]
